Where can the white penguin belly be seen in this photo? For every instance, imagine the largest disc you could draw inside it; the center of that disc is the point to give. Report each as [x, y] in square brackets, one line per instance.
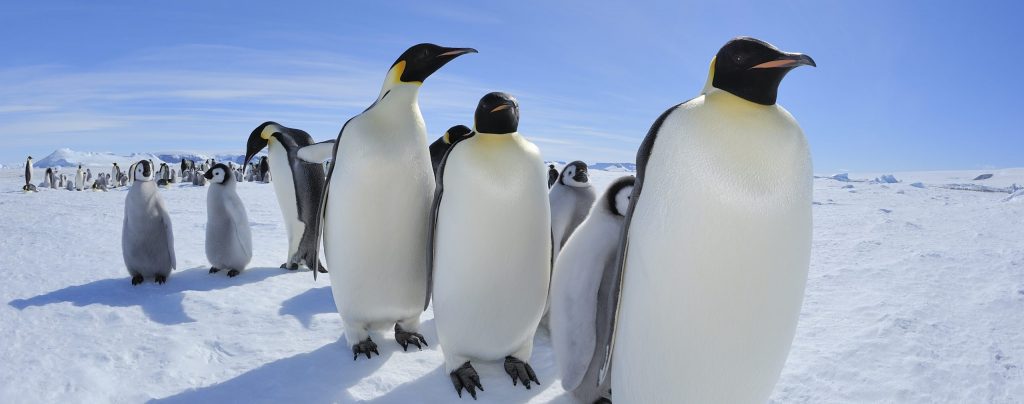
[375, 230]
[718, 255]
[284, 188]
[492, 255]
[228, 238]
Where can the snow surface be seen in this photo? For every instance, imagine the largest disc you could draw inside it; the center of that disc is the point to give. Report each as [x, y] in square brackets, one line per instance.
[914, 295]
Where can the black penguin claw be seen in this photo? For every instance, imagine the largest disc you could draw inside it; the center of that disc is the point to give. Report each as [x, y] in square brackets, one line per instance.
[214, 270]
[465, 377]
[320, 268]
[160, 279]
[405, 338]
[232, 273]
[365, 347]
[137, 279]
[290, 267]
[521, 371]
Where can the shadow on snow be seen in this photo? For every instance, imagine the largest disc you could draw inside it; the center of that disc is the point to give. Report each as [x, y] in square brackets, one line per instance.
[161, 303]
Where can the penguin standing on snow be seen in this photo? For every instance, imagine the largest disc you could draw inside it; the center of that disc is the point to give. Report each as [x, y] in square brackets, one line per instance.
[552, 175]
[716, 245]
[443, 143]
[585, 263]
[490, 248]
[147, 241]
[29, 187]
[264, 169]
[299, 186]
[115, 174]
[228, 237]
[375, 220]
[79, 179]
[571, 199]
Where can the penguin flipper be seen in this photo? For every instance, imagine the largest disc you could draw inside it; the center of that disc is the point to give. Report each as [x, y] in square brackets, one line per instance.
[317, 152]
[435, 205]
[322, 213]
[168, 232]
[606, 329]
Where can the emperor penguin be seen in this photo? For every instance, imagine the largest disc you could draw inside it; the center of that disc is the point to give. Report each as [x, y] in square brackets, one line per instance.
[264, 168]
[50, 179]
[115, 173]
[79, 178]
[571, 198]
[299, 186]
[29, 187]
[714, 254]
[147, 241]
[490, 247]
[576, 309]
[228, 237]
[375, 220]
[441, 145]
[552, 175]
[88, 174]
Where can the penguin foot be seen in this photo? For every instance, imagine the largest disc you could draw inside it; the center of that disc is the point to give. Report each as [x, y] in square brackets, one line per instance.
[365, 347]
[405, 338]
[291, 267]
[521, 371]
[465, 377]
[214, 270]
[320, 268]
[137, 279]
[603, 400]
[233, 273]
[160, 279]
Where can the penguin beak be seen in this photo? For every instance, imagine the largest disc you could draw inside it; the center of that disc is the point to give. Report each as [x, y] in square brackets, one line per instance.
[500, 108]
[452, 53]
[581, 177]
[787, 60]
[209, 174]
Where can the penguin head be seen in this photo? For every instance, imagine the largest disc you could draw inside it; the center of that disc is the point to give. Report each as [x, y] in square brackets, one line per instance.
[752, 69]
[575, 175]
[218, 174]
[455, 133]
[618, 195]
[259, 138]
[144, 171]
[497, 113]
[420, 61]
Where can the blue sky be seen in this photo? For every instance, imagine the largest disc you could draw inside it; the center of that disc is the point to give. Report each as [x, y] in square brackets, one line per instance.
[900, 85]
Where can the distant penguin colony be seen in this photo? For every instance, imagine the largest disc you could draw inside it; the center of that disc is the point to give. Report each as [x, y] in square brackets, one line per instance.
[491, 247]
[147, 241]
[672, 286]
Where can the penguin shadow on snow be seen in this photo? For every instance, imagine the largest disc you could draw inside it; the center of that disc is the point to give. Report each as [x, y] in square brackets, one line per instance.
[161, 303]
[324, 375]
[305, 305]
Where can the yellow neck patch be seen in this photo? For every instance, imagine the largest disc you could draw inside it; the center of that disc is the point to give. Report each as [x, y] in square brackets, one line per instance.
[268, 131]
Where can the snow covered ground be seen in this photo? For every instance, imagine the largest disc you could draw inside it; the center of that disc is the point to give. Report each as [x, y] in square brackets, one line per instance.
[916, 294]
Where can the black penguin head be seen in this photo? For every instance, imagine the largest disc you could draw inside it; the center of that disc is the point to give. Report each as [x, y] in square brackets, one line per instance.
[455, 133]
[218, 174]
[575, 174]
[497, 113]
[752, 69]
[420, 61]
[143, 171]
[616, 199]
[259, 138]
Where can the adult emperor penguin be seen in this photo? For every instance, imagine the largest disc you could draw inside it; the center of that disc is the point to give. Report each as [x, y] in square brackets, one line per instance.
[29, 187]
[264, 168]
[443, 143]
[299, 187]
[375, 220]
[228, 237]
[147, 241]
[552, 175]
[79, 179]
[490, 247]
[715, 249]
[576, 308]
[571, 199]
[50, 179]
